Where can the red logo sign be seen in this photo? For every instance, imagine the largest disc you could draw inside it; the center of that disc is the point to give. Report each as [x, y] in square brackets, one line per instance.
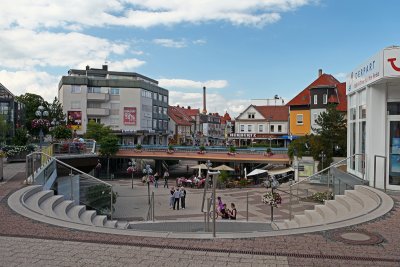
[392, 60]
[129, 116]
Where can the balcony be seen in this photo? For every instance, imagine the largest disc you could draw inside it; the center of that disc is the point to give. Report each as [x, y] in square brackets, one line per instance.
[98, 97]
[98, 111]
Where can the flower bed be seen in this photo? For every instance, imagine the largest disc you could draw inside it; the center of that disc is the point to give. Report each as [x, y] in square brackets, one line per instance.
[272, 199]
[17, 153]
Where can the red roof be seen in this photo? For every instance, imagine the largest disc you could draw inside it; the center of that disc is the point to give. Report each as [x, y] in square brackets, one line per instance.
[180, 118]
[303, 98]
[225, 118]
[189, 111]
[341, 88]
[274, 113]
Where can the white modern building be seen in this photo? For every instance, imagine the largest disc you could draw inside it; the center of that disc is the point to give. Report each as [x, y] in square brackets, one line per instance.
[133, 105]
[373, 92]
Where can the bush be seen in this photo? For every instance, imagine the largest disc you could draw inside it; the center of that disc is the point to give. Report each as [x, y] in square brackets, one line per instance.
[138, 147]
[232, 149]
[322, 196]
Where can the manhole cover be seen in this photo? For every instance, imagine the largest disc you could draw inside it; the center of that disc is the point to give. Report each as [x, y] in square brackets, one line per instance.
[357, 237]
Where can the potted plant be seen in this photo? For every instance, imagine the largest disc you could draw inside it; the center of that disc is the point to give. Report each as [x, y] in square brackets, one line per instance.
[170, 149]
[268, 153]
[232, 151]
[138, 148]
[202, 150]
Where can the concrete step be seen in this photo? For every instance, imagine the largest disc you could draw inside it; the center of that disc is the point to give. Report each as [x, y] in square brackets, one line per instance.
[327, 213]
[111, 224]
[87, 216]
[364, 190]
[30, 191]
[291, 224]
[75, 212]
[278, 225]
[314, 217]
[62, 209]
[368, 203]
[340, 210]
[352, 205]
[48, 205]
[99, 220]
[302, 220]
[122, 225]
[35, 200]
[357, 196]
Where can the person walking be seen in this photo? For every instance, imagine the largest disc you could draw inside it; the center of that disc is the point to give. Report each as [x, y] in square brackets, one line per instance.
[177, 197]
[166, 176]
[171, 198]
[156, 177]
[183, 197]
[232, 212]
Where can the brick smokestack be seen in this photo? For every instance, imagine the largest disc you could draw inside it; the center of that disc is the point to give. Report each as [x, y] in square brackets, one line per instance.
[204, 100]
[319, 72]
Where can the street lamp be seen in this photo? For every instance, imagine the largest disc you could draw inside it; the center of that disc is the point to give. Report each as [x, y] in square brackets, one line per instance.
[148, 171]
[131, 169]
[323, 157]
[41, 112]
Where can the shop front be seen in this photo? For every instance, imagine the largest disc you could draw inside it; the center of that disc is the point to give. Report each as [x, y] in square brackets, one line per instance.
[373, 137]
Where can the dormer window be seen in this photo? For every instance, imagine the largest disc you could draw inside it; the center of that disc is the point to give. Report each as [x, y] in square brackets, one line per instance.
[251, 115]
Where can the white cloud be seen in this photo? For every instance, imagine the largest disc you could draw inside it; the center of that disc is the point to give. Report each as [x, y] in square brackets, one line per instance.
[215, 102]
[341, 76]
[182, 83]
[170, 43]
[21, 82]
[25, 49]
[75, 14]
[199, 42]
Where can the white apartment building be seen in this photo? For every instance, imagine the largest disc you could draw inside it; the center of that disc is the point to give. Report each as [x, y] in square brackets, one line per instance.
[133, 105]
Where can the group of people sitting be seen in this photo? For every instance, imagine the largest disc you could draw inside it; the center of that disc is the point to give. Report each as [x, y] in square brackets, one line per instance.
[193, 181]
[224, 212]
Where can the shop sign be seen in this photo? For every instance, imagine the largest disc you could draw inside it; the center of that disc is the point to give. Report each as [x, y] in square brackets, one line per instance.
[250, 135]
[129, 116]
[74, 120]
[391, 67]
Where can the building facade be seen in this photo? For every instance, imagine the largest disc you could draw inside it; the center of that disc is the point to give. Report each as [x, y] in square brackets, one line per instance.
[373, 133]
[261, 124]
[133, 105]
[12, 113]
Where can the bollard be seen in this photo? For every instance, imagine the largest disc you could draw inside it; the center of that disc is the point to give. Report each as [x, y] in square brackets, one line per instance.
[152, 204]
[247, 206]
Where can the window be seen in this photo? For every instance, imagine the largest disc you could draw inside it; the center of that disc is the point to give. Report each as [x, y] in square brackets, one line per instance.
[154, 124]
[165, 125]
[160, 97]
[165, 99]
[249, 128]
[155, 96]
[114, 105]
[272, 128]
[146, 94]
[114, 121]
[315, 117]
[165, 110]
[160, 110]
[94, 90]
[260, 128]
[155, 109]
[96, 120]
[325, 99]
[250, 115]
[279, 128]
[242, 128]
[75, 89]
[94, 105]
[299, 119]
[114, 91]
[76, 104]
[160, 124]
[315, 99]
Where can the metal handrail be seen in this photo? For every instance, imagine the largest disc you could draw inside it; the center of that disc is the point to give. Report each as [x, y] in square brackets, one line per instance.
[315, 174]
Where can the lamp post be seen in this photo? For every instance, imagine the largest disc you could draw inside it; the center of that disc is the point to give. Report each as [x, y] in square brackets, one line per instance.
[41, 112]
[131, 169]
[148, 171]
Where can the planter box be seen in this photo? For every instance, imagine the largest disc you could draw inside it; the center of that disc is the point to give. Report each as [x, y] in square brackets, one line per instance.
[21, 157]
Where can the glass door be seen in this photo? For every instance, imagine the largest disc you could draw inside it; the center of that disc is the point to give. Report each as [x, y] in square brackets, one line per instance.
[394, 153]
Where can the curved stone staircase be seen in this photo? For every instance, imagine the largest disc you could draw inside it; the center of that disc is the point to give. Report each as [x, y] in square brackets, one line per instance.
[354, 203]
[44, 202]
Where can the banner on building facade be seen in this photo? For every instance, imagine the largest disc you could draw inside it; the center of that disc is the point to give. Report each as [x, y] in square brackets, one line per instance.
[74, 120]
[129, 116]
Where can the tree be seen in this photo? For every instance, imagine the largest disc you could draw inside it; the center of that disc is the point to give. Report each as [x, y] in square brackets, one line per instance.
[108, 147]
[31, 103]
[5, 128]
[56, 111]
[97, 131]
[21, 137]
[61, 132]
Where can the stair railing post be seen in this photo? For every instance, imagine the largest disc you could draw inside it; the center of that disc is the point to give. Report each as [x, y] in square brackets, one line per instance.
[152, 202]
[247, 206]
[111, 204]
[290, 205]
[384, 172]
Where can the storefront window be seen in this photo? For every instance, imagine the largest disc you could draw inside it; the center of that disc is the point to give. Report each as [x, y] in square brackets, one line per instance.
[394, 170]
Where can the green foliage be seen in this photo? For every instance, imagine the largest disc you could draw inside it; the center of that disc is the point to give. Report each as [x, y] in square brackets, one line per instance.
[269, 150]
[61, 132]
[108, 145]
[138, 147]
[99, 198]
[20, 137]
[56, 111]
[298, 147]
[202, 148]
[322, 196]
[31, 103]
[232, 149]
[223, 177]
[5, 128]
[170, 147]
[97, 131]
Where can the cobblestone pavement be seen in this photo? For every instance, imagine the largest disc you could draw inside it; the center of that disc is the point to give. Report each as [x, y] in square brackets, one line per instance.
[317, 249]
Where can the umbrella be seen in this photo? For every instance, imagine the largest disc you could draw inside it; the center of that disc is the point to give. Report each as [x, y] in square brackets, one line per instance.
[200, 166]
[256, 171]
[223, 167]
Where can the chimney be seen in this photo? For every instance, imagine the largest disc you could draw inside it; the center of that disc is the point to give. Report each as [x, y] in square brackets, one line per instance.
[188, 107]
[87, 67]
[319, 72]
[105, 67]
[204, 101]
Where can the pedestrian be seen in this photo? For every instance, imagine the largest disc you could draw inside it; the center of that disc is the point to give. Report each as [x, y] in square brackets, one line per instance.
[187, 169]
[232, 212]
[177, 196]
[97, 169]
[224, 212]
[166, 176]
[183, 198]
[171, 198]
[156, 177]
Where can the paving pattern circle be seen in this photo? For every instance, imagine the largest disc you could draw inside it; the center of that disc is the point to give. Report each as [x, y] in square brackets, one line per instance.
[357, 237]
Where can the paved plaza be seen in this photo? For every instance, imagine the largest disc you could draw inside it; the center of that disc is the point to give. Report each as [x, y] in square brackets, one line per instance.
[24, 242]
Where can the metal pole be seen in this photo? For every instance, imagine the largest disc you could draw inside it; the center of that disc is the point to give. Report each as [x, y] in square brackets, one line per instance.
[329, 172]
[290, 206]
[132, 178]
[111, 210]
[384, 172]
[339, 188]
[71, 191]
[272, 207]
[148, 188]
[333, 186]
[208, 214]
[247, 206]
[375, 171]
[152, 210]
[215, 178]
